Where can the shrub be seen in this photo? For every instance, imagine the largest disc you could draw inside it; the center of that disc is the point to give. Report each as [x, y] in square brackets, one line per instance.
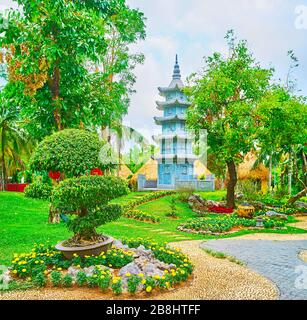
[132, 283]
[39, 280]
[56, 278]
[173, 208]
[141, 216]
[81, 278]
[38, 190]
[87, 197]
[67, 281]
[73, 152]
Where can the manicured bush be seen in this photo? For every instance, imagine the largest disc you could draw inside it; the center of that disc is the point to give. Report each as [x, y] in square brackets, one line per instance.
[73, 152]
[87, 197]
[141, 216]
[38, 190]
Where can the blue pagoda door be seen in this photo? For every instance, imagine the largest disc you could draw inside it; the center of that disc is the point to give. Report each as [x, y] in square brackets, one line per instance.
[165, 174]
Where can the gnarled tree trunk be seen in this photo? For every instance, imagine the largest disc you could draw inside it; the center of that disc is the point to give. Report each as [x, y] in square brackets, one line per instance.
[298, 196]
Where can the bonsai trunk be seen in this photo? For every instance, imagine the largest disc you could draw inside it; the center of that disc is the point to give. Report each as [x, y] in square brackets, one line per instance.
[54, 216]
[233, 179]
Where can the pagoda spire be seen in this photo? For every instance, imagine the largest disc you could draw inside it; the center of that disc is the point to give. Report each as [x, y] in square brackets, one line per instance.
[176, 73]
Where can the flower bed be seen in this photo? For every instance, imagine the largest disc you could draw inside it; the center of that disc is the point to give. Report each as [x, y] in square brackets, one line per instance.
[130, 205]
[141, 216]
[220, 209]
[130, 266]
[226, 224]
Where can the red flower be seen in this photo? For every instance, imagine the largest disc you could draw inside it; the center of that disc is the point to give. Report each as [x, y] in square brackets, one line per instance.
[54, 175]
[220, 209]
[96, 172]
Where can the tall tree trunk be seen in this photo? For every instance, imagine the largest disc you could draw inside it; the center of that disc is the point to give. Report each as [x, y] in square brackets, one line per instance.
[270, 173]
[290, 174]
[298, 196]
[233, 179]
[54, 84]
[3, 168]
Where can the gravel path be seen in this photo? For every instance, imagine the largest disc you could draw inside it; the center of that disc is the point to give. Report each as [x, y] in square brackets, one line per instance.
[276, 260]
[214, 279]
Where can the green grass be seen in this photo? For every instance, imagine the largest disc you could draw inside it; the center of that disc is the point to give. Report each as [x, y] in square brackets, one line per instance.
[223, 256]
[23, 222]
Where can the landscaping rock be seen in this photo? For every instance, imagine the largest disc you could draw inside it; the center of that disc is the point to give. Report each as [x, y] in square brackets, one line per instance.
[273, 214]
[300, 204]
[197, 203]
[118, 244]
[73, 271]
[131, 268]
[151, 270]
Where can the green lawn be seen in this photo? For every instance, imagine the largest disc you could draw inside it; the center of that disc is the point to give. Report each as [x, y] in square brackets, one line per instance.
[24, 221]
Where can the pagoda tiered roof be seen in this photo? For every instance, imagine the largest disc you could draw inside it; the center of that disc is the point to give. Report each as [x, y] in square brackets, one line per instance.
[174, 102]
[160, 120]
[169, 136]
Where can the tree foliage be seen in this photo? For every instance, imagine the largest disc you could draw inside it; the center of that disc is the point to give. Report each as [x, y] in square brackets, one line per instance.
[88, 198]
[68, 61]
[72, 152]
[224, 97]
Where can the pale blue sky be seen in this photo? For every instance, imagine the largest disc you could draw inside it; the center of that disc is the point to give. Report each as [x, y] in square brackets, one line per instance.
[196, 28]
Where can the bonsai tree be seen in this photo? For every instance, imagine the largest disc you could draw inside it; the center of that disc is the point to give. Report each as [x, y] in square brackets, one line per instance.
[72, 152]
[87, 198]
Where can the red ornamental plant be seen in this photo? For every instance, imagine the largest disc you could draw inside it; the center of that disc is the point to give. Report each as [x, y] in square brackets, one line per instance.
[220, 209]
[54, 175]
[96, 172]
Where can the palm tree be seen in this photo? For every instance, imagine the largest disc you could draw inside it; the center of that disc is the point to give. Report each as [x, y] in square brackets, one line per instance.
[15, 144]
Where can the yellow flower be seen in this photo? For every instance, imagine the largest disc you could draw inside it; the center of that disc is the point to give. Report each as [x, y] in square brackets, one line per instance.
[143, 281]
[75, 255]
[46, 272]
[163, 278]
[168, 285]
[157, 277]
[36, 262]
[114, 254]
[102, 277]
[165, 271]
[29, 279]
[148, 289]
[141, 275]
[128, 274]
[24, 270]
[15, 271]
[110, 265]
[59, 269]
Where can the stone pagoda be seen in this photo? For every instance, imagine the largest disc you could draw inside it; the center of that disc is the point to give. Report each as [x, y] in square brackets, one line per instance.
[176, 158]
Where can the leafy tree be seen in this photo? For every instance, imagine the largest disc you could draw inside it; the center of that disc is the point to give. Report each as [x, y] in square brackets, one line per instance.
[224, 97]
[72, 152]
[15, 145]
[281, 132]
[68, 61]
[88, 199]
